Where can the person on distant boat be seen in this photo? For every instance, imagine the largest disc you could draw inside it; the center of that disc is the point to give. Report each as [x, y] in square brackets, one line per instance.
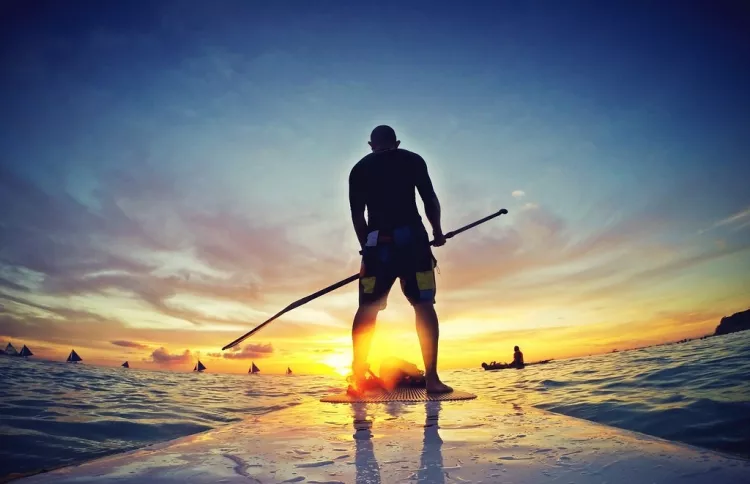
[517, 358]
[394, 245]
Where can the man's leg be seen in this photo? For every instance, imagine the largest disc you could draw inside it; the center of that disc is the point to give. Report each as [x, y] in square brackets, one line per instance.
[419, 286]
[375, 283]
[363, 328]
[429, 334]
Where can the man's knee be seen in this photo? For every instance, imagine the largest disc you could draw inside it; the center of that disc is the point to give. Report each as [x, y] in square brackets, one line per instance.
[372, 305]
[368, 311]
[424, 308]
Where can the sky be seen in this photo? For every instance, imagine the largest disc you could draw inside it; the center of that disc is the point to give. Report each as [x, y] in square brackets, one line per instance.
[174, 173]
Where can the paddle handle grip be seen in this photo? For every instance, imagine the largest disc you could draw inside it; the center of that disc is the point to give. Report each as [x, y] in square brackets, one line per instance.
[453, 233]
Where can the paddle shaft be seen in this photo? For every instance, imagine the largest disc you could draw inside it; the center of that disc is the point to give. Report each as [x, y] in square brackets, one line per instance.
[346, 281]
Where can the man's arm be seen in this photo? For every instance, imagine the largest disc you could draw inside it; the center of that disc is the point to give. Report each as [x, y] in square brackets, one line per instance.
[357, 208]
[430, 199]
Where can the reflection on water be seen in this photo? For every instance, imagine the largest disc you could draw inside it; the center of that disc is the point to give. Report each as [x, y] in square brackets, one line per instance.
[368, 469]
[431, 458]
[431, 461]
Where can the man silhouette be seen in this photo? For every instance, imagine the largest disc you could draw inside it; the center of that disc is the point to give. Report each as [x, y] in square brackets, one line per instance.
[394, 245]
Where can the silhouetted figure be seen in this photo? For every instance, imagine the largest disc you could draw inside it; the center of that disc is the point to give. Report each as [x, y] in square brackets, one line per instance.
[517, 358]
[394, 245]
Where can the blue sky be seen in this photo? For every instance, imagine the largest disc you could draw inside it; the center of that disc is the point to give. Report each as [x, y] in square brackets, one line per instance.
[186, 163]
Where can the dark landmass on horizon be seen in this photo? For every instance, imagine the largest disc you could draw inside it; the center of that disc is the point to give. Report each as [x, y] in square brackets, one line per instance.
[734, 323]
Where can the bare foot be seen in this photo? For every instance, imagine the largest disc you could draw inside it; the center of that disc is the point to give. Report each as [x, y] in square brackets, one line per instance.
[438, 387]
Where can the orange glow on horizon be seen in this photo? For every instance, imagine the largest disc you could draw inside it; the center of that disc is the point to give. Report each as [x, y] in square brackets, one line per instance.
[462, 346]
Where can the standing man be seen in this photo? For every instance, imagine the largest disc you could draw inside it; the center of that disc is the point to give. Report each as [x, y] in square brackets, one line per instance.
[394, 245]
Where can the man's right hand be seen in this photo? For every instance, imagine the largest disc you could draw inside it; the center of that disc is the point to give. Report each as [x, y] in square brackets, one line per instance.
[439, 238]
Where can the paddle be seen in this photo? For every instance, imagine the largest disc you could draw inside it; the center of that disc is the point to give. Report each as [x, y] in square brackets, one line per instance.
[346, 281]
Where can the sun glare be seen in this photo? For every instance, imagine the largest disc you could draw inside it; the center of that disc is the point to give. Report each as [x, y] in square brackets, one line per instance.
[339, 362]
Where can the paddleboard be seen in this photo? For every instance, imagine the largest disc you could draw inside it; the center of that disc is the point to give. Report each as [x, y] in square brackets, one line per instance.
[398, 395]
[477, 440]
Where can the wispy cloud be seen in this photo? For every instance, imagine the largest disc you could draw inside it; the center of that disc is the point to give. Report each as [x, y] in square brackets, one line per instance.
[518, 194]
[739, 220]
[130, 344]
[736, 221]
[159, 252]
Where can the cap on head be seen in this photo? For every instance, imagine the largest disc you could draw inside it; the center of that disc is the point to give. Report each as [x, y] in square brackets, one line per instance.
[383, 137]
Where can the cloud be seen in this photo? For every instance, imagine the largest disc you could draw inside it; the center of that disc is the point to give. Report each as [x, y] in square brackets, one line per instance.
[21, 317]
[8, 284]
[140, 239]
[542, 257]
[739, 220]
[24, 319]
[162, 356]
[252, 351]
[129, 344]
[248, 352]
[518, 194]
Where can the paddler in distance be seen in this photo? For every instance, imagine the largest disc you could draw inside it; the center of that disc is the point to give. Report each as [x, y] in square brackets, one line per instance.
[394, 245]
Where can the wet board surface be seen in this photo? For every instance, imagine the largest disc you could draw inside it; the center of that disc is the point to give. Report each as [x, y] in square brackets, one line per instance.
[399, 395]
[478, 440]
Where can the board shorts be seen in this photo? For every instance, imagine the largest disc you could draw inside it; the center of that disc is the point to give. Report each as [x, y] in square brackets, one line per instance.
[402, 253]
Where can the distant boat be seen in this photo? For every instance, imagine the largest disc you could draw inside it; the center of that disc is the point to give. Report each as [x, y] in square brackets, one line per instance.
[505, 366]
[288, 371]
[199, 367]
[125, 365]
[253, 369]
[73, 357]
[25, 351]
[10, 350]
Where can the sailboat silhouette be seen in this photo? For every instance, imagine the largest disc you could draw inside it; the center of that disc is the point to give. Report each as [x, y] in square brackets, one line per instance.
[125, 365]
[199, 367]
[10, 350]
[73, 357]
[25, 351]
[288, 371]
[253, 368]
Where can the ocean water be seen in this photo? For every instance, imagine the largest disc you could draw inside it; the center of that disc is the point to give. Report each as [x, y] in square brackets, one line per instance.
[53, 414]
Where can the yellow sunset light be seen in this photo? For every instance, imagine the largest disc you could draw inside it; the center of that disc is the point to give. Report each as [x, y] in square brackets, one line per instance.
[341, 363]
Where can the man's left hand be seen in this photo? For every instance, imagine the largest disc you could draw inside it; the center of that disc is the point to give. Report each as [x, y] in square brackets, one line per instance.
[439, 239]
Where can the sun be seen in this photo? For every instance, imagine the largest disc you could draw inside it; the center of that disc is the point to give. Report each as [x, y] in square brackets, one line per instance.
[339, 362]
